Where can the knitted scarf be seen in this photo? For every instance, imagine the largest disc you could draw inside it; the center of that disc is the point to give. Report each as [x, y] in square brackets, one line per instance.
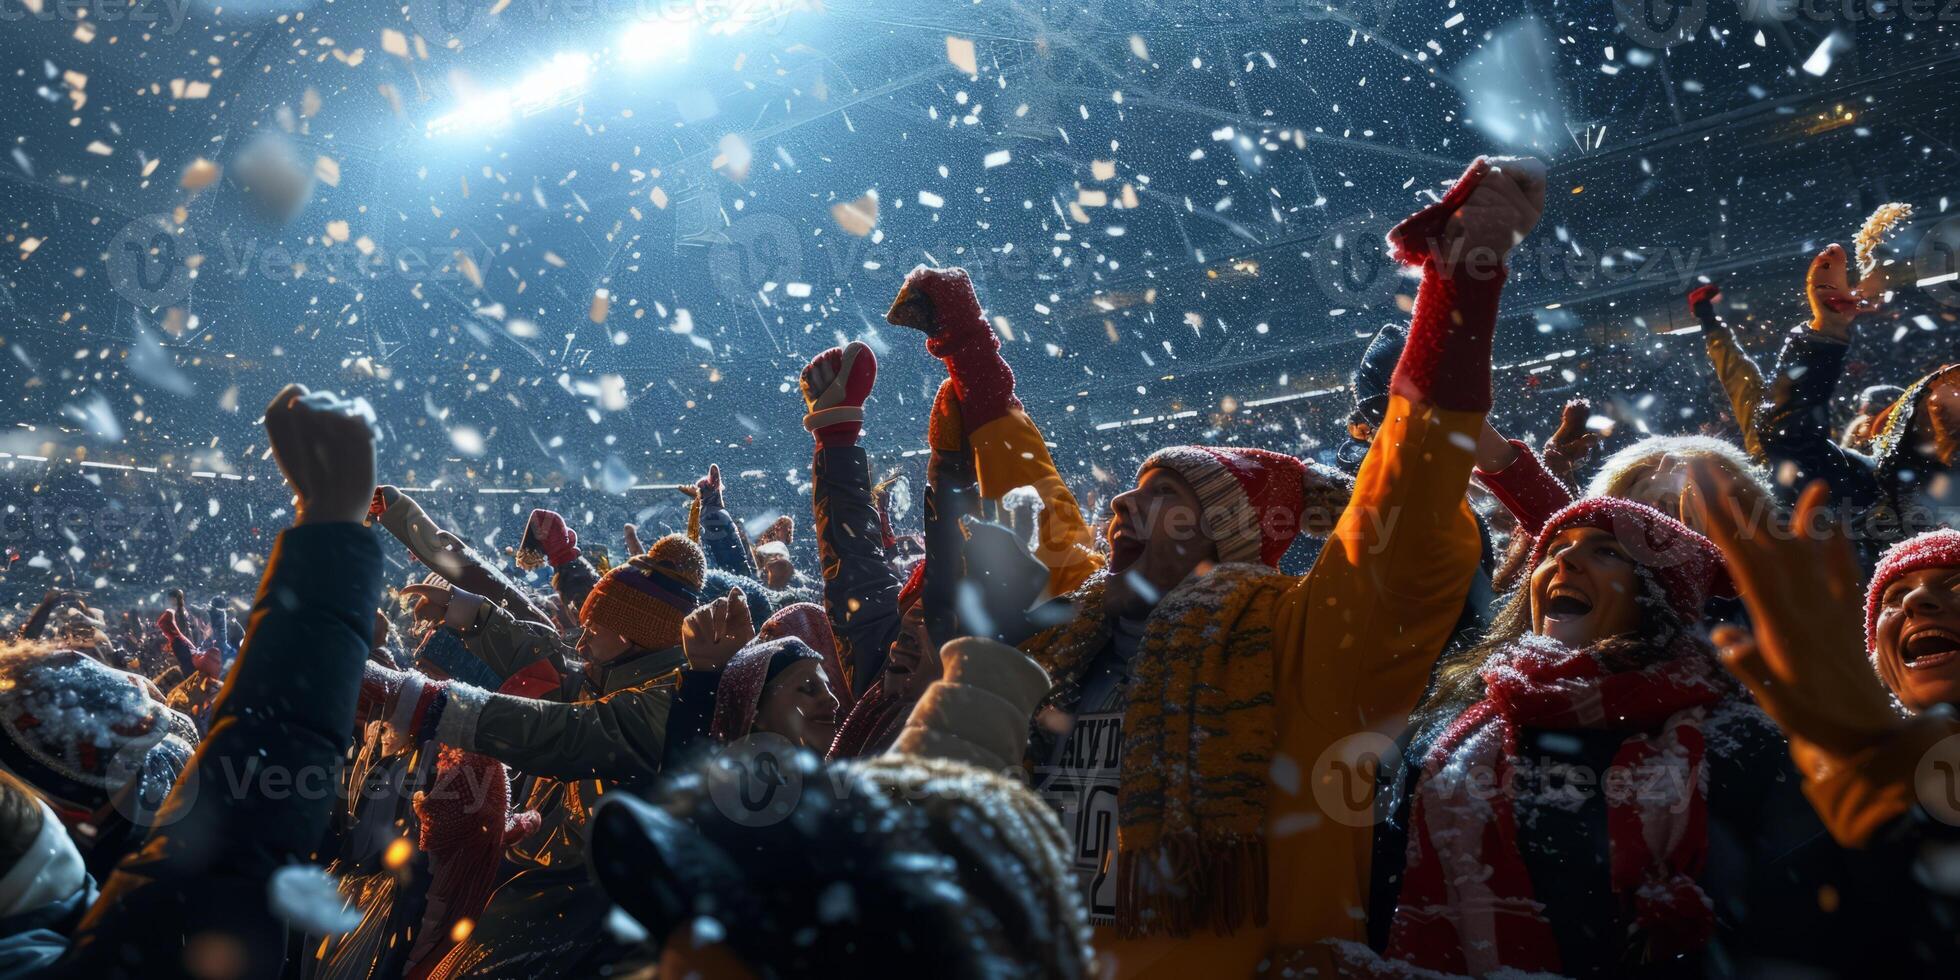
[1198, 736]
[1466, 904]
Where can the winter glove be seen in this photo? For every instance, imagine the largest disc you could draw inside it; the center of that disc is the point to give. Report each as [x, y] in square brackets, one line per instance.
[835, 385]
[708, 489]
[1572, 442]
[1461, 243]
[1701, 299]
[180, 645]
[942, 304]
[546, 541]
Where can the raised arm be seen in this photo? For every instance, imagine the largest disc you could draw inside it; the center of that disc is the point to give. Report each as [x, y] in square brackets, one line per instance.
[447, 555]
[491, 634]
[548, 540]
[1794, 423]
[1008, 450]
[288, 708]
[860, 591]
[1741, 379]
[721, 538]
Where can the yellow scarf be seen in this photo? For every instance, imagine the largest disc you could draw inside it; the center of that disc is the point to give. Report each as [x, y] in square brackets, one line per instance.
[1198, 735]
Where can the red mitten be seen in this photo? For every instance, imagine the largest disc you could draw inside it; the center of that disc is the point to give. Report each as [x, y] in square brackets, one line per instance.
[1704, 295]
[835, 386]
[1446, 361]
[941, 303]
[210, 662]
[708, 489]
[546, 534]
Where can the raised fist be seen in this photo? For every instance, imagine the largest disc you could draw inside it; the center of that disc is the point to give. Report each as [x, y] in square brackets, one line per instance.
[712, 634]
[325, 447]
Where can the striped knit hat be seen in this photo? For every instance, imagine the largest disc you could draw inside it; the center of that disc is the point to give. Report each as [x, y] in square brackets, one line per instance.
[645, 599]
[1252, 498]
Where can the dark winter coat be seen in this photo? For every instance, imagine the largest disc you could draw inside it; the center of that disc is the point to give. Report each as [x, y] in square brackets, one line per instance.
[1787, 898]
[1880, 496]
[288, 710]
[860, 591]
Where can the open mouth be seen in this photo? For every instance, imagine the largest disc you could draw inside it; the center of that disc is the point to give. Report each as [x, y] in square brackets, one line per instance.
[1566, 605]
[1124, 548]
[1930, 647]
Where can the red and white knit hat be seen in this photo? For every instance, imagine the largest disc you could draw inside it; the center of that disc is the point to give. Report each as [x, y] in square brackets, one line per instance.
[1688, 566]
[1252, 498]
[1934, 549]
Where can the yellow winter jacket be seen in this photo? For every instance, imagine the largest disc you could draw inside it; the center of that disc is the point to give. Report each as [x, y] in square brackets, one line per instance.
[1354, 643]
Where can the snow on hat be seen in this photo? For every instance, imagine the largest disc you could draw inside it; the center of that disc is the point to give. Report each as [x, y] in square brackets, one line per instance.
[775, 549]
[1891, 426]
[645, 599]
[1934, 549]
[739, 693]
[1252, 498]
[94, 727]
[808, 622]
[1688, 566]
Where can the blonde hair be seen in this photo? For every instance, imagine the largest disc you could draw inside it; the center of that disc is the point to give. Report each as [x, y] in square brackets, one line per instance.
[1618, 474]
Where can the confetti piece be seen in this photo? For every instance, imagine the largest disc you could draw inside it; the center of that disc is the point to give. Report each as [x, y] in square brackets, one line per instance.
[326, 171]
[960, 52]
[998, 158]
[857, 217]
[200, 174]
[601, 306]
[1103, 169]
[658, 197]
[394, 43]
[1138, 48]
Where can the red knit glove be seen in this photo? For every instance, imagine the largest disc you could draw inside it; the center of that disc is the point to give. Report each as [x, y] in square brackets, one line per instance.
[379, 685]
[1458, 242]
[210, 662]
[836, 384]
[546, 533]
[1702, 296]
[708, 489]
[941, 302]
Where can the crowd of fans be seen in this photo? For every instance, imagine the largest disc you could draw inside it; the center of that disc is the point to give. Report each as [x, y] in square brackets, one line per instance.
[1687, 715]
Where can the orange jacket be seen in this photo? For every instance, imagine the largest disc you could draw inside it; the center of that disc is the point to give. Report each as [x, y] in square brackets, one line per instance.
[1355, 640]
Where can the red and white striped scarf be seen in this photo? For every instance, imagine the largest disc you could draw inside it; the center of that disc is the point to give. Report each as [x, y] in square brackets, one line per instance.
[1466, 904]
